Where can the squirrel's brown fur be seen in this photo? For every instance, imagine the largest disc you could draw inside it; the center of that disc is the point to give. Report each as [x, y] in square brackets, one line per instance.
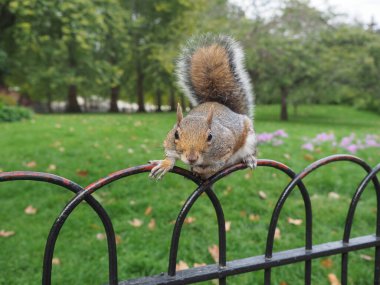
[210, 73]
[218, 131]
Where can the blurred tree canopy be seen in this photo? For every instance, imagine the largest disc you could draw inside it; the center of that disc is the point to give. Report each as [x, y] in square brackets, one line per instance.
[59, 50]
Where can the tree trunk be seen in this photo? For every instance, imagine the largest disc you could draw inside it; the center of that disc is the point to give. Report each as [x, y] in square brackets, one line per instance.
[284, 106]
[140, 88]
[72, 101]
[49, 100]
[172, 100]
[159, 100]
[114, 97]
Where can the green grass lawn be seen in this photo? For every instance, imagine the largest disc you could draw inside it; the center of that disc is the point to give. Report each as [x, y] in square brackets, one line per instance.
[84, 148]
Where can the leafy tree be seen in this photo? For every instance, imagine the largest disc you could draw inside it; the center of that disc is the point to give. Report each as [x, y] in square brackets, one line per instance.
[284, 56]
[7, 20]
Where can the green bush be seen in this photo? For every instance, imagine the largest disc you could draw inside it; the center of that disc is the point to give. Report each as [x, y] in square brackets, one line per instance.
[13, 114]
[7, 100]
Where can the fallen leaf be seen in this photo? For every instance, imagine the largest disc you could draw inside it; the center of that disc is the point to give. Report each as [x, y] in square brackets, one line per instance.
[366, 257]
[56, 261]
[333, 195]
[333, 279]
[30, 210]
[152, 224]
[82, 173]
[189, 220]
[327, 263]
[227, 191]
[228, 226]
[262, 195]
[31, 164]
[243, 214]
[248, 175]
[101, 236]
[254, 218]
[4, 233]
[214, 252]
[308, 157]
[136, 223]
[277, 234]
[117, 239]
[295, 222]
[318, 150]
[148, 211]
[314, 196]
[182, 265]
[199, 264]
[95, 226]
[52, 167]
[1, 170]
[283, 283]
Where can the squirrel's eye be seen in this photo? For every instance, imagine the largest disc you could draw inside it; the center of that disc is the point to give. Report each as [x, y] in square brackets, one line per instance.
[209, 138]
[176, 135]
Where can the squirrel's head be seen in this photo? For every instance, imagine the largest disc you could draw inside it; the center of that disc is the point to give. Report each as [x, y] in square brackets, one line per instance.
[195, 139]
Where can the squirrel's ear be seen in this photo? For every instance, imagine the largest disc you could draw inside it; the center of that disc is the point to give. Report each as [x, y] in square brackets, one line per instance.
[210, 115]
[179, 114]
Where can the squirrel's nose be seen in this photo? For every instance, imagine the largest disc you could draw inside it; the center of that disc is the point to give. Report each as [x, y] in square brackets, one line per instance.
[192, 158]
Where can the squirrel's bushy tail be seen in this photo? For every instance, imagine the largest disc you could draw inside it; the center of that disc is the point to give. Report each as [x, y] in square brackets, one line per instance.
[211, 68]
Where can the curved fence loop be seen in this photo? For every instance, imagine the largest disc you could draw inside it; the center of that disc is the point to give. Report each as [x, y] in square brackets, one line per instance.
[351, 212]
[42, 177]
[73, 187]
[207, 184]
[289, 188]
[83, 195]
[350, 217]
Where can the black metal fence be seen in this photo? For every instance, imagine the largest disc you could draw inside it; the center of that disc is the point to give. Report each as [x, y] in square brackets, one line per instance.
[223, 269]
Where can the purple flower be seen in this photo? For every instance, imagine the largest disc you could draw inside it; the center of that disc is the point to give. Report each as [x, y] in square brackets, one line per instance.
[273, 138]
[346, 141]
[369, 142]
[264, 137]
[308, 146]
[352, 148]
[323, 137]
[277, 142]
[280, 133]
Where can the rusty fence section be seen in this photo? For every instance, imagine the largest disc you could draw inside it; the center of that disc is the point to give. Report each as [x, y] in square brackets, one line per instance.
[223, 269]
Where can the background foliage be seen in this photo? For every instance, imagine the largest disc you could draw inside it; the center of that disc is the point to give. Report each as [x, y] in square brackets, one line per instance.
[296, 54]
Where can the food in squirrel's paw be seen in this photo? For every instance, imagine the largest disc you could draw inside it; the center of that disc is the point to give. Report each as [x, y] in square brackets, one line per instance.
[218, 131]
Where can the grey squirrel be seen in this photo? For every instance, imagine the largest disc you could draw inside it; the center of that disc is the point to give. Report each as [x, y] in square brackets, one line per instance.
[218, 131]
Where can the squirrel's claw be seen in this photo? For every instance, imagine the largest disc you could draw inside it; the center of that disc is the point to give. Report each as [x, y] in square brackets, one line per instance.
[250, 161]
[161, 168]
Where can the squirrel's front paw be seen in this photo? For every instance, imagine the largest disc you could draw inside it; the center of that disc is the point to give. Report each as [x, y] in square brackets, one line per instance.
[250, 161]
[162, 166]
